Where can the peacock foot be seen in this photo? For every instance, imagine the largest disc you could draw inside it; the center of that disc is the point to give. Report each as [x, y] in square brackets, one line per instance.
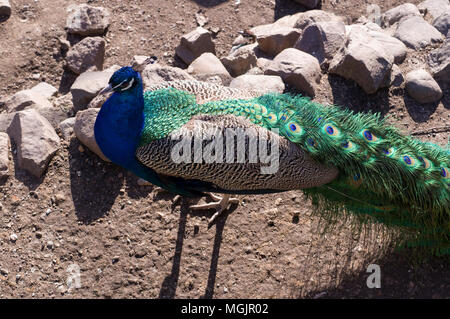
[220, 204]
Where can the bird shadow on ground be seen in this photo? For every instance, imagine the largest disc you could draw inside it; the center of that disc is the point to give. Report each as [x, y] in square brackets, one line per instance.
[209, 3]
[348, 94]
[289, 7]
[419, 112]
[169, 284]
[94, 184]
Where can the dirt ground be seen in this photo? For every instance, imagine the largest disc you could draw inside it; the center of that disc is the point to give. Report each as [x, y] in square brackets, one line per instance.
[130, 241]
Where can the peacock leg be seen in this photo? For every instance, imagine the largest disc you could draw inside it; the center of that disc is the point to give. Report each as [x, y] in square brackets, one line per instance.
[221, 204]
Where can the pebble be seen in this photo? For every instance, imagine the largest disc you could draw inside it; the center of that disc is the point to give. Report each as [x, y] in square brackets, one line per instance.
[13, 238]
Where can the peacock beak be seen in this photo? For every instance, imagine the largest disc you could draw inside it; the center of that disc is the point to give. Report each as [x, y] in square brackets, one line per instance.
[106, 89]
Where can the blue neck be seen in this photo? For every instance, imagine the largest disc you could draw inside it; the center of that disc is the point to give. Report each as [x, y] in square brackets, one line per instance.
[118, 128]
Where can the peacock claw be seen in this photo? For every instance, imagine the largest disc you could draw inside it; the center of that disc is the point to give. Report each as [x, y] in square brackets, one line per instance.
[220, 204]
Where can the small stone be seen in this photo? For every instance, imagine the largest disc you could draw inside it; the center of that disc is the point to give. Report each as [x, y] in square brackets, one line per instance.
[81, 149]
[5, 8]
[86, 20]
[194, 44]
[208, 65]
[48, 211]
[26, 99]
[88, 54]
[422, 87]
[201, 19]
[66, 128]
[262, 83]
[115, 259]
[13, 238]
[36, 141]
[50, 245]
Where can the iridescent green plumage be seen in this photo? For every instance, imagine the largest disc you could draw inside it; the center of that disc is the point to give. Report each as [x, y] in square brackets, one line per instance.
[393, 178]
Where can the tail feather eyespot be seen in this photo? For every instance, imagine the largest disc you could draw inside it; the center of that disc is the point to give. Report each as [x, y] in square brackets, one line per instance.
[272, 118]
[331, 130]
[369, 136]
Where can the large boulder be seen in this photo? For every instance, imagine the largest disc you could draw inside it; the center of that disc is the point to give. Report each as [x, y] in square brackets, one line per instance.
[439, 62]
[310, 4]
[297, 68]
[416, 33]
[87, 20]
[272, 39]
[394, 15]
[35, 139]
[322, 39]
[433, 8]
[442, 23]
[363, 59]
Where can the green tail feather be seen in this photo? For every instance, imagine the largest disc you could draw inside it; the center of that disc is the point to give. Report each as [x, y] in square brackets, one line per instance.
[394, 179]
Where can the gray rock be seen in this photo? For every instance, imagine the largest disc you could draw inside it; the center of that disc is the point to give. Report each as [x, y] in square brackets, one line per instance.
[84, 130]
[66, 128]
[422, 87]
[86, 20]
[26, 99]
[5, 8]
[36, 141]
[395, 14]
[262, 83]
[395, 77]
[439, 62]
[364, 60]
[310, 4]
[5, 121]
[442, 22]
[156, 73]
[4, 155]
[311, 16]
[240, 60]
[194, 44]
[87, 86]
[322, 39]
[45, 89]
[272, 39]
[296, 68]
[88, 54]
[208, 66]
[416, 33]
[433, 8]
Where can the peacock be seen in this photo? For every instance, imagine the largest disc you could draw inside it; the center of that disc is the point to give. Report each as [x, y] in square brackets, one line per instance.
[174, 135]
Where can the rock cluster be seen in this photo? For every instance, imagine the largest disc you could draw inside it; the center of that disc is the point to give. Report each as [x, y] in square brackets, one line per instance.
[296, 50]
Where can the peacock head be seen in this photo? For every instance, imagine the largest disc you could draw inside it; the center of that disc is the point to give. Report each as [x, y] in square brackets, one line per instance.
[127, 77]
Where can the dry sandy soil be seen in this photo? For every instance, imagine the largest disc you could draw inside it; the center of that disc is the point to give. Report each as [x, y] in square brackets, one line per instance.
[131, 241]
